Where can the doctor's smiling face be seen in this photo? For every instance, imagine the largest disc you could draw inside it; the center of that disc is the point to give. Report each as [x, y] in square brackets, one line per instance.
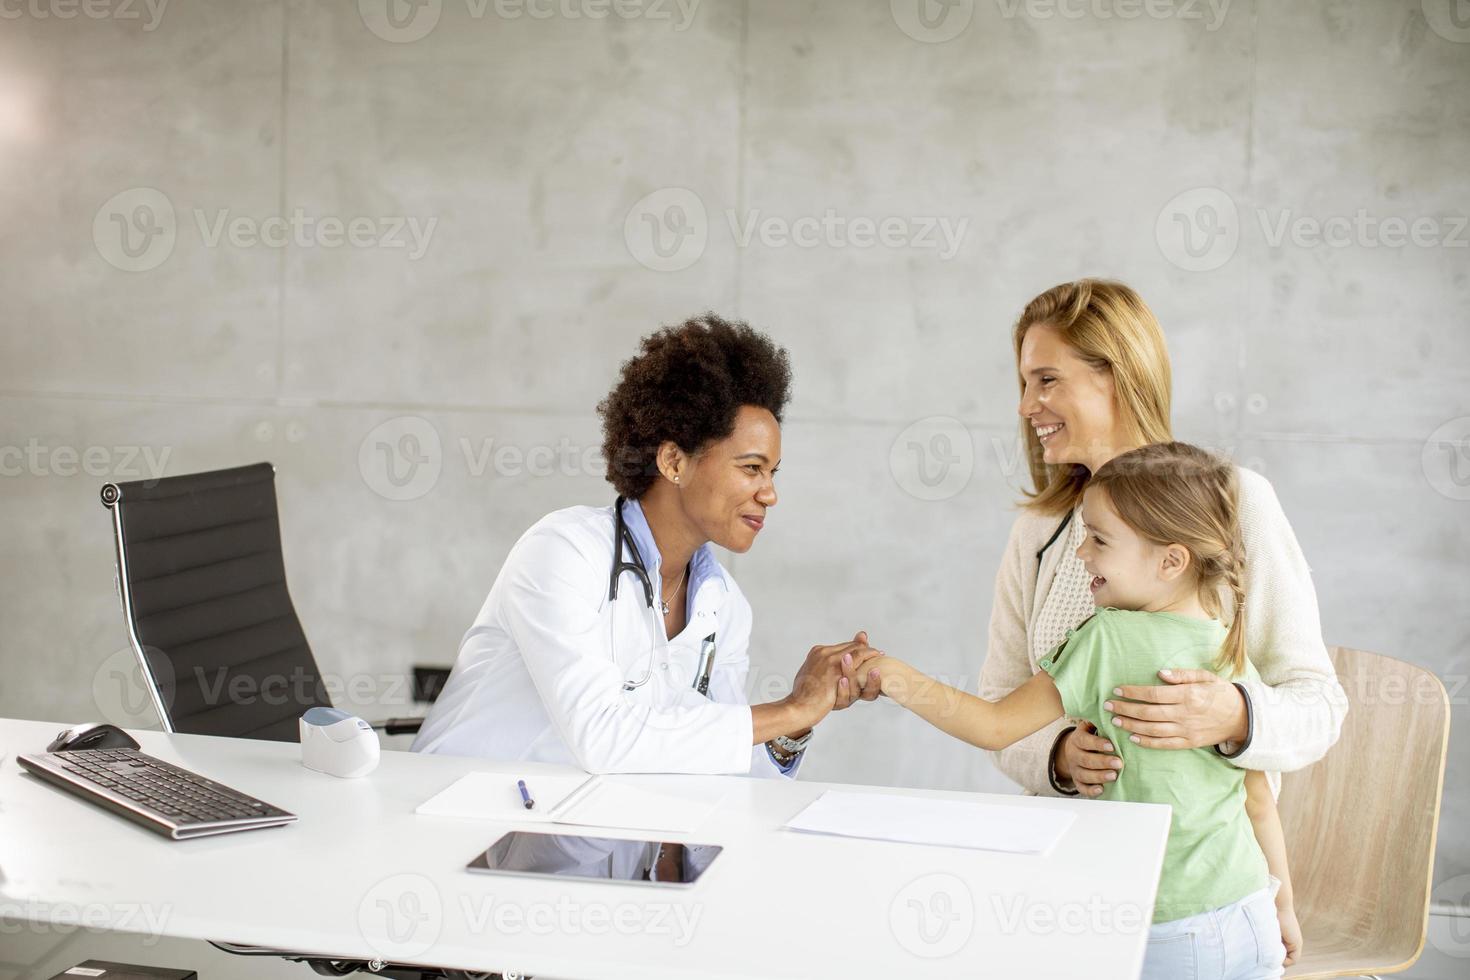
[724, 490]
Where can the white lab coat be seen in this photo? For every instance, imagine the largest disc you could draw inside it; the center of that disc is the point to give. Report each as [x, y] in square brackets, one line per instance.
[536, 678]
[540, 674]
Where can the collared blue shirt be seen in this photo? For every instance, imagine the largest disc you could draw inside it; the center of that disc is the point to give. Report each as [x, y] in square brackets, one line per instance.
[702, 568]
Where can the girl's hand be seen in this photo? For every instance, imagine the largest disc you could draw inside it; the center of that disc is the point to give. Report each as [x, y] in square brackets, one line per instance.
[1291, 933]
[850, 687]
[879, 673]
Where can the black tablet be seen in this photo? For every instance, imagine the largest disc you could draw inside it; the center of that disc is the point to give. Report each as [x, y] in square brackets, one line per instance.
[576, 858]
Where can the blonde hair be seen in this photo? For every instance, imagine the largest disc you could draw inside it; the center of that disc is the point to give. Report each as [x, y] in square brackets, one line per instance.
[1175, 493]
[1110, 327]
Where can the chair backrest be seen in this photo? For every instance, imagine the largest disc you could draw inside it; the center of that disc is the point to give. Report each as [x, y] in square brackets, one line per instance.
[204, 592]
[1360, 824]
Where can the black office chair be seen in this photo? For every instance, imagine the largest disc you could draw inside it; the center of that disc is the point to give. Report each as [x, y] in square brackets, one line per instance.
[203, 589]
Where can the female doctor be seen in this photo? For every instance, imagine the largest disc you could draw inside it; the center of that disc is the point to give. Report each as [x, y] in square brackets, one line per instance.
[613, 639]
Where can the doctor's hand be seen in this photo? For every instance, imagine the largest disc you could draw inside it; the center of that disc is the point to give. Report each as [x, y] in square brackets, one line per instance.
[854, 684]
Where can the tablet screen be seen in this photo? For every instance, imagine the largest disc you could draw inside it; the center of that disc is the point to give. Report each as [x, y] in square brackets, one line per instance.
[579, 858]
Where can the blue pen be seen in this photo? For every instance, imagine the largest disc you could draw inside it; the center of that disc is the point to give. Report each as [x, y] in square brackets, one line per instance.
[525, 795]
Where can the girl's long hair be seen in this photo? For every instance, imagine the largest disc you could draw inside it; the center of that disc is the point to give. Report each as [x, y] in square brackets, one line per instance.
[1175, 493]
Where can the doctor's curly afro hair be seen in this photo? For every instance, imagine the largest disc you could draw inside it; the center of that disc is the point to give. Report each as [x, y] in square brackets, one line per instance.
[686, 385]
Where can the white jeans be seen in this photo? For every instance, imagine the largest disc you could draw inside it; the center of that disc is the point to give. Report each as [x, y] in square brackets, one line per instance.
[1239, 941]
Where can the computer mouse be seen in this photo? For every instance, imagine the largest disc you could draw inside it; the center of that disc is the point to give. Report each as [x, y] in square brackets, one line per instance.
[97, 735]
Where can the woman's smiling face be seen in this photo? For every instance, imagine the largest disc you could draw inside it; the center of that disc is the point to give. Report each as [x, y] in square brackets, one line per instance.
[731, 482]
[1068, 402]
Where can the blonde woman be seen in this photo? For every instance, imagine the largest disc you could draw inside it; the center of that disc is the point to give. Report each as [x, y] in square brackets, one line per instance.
[1095, 383]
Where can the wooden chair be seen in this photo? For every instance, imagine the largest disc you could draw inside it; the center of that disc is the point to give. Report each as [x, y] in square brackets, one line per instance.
[1360, 825]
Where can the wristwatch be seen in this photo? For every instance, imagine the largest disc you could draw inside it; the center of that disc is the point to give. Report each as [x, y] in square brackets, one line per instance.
[785, 749]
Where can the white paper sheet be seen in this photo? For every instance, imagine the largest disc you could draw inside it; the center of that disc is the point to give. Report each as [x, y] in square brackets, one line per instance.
[946, 823]
[584, 801]
[494, 796]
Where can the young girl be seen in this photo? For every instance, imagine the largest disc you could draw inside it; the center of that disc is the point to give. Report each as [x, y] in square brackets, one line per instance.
[1163, 543]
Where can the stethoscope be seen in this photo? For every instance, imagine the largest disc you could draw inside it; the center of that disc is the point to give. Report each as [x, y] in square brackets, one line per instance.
[623, 538]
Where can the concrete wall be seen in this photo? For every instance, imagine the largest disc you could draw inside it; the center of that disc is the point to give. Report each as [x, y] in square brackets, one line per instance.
[528, 195]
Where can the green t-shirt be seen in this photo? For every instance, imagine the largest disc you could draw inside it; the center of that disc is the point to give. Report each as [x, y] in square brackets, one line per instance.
[1212, 857]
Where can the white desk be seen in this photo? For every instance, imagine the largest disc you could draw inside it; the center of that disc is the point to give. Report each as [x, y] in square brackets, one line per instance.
[361, 875]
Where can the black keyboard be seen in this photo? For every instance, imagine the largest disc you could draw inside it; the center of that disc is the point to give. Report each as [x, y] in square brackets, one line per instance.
[163, 797]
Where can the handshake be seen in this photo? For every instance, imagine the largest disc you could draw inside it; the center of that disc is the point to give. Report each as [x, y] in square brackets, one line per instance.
[834, 677]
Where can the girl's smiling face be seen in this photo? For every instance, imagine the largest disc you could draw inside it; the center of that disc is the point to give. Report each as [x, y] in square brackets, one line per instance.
[1128, 571]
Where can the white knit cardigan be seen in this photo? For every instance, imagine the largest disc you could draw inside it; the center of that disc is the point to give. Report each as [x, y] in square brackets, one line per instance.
[1297, 706]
